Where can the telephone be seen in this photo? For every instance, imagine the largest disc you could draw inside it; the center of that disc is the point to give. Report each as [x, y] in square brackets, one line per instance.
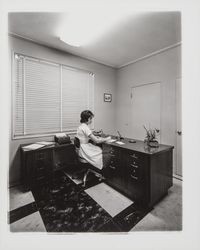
[62, 138]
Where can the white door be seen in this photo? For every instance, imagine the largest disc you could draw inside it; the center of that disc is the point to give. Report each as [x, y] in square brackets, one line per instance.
[178, 128]
[145, 102]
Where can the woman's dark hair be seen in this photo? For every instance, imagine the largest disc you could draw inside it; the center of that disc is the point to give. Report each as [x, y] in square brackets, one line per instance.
[85, 115]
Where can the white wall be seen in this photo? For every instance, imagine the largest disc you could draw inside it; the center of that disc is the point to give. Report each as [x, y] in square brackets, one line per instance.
[164, 68]
[105, 82]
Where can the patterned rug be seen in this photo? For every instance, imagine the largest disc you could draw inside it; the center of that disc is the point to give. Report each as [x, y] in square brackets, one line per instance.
[65, 207]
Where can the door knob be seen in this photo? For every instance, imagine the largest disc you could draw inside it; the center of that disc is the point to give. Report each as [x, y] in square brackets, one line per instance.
[179, 132]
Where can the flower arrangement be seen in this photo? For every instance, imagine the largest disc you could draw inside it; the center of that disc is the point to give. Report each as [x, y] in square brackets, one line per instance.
[150, 138]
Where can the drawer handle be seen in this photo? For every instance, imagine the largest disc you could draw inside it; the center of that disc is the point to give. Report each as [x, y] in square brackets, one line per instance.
[134, 177]
[134, 156]
[40, 167]
[41, 159]
[112, 167]
[134, 166]
[40, 156]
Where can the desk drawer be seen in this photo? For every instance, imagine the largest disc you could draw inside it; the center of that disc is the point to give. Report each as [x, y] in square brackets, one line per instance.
[64, 158]
[136, 159]
[107, 148]
[113, 164]
[134, 173]
[111, 156]
[135, 176]
[43, 156]
[136, 165]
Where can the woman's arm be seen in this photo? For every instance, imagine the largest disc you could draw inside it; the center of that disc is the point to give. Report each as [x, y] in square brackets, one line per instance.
[97, 140]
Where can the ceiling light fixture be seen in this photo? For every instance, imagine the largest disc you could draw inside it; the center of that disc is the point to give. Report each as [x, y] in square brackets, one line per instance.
[84, 28]
[69, 41]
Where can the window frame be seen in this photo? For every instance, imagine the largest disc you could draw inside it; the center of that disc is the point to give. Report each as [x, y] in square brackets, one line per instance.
[13, 95]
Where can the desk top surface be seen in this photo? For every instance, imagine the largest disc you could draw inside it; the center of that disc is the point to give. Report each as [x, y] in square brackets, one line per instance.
[52, 145]
[140, 146]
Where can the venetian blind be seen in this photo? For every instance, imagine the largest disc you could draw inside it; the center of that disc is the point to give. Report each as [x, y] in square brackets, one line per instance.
[42, 97]
[48, 98]
[77, 89]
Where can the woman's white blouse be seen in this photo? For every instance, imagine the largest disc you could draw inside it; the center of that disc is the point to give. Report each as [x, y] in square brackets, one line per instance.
[91, 153]
[83, 133]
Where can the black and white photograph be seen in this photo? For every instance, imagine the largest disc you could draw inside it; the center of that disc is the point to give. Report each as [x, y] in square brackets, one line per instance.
[80, 164]
[64, 175]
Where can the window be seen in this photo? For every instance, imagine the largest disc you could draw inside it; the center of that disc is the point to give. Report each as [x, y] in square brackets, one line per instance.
[48, 97]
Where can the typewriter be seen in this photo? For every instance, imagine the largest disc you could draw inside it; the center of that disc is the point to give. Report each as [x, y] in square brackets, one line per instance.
[62, 138]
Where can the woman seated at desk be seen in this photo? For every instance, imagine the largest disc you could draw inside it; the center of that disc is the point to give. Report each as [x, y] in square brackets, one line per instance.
[88, 151]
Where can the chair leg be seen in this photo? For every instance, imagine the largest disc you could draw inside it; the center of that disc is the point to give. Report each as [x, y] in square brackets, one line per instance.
[98, 175]
[77, 174]
[85, 178]
[101, 178]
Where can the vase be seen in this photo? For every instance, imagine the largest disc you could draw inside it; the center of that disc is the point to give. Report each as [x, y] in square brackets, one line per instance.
[153, 144]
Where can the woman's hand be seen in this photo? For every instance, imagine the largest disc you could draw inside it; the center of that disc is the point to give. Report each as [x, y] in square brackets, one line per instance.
[99, 140]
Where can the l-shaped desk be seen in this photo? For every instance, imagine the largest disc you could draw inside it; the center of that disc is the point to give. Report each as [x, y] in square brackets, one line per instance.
[139, 172]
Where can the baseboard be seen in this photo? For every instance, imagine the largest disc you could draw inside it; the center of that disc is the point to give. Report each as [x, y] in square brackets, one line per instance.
[14, 184]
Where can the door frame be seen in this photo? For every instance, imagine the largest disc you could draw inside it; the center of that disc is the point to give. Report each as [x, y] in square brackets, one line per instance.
[176, 143]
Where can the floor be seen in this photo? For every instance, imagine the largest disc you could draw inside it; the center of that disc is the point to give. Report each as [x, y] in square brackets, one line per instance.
[167, 214]
[67, 207]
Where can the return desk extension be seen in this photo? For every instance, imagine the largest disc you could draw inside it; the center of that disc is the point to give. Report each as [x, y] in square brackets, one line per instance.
[139, 172]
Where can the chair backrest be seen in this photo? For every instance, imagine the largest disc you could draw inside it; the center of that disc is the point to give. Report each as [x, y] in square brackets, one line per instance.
[76, 142]
[77, 146]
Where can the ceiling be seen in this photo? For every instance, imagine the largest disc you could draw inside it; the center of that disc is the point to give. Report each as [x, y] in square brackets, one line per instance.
[130, 38]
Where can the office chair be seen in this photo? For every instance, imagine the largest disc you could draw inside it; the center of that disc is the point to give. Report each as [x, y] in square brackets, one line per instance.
[86, 165]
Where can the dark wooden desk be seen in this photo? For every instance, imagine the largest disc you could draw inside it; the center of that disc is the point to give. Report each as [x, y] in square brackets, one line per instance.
[141, 173]
[39, 165]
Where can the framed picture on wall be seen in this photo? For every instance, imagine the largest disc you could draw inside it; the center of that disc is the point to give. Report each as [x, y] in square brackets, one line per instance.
[107, 97]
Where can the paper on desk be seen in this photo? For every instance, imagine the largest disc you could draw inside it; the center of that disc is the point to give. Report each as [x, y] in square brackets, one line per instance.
[119, 142]
[45, 142]
[33, 146]
[111, 140]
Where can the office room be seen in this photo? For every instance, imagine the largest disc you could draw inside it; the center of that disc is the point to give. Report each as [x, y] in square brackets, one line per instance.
[120, 79]
[132, 86]
[83, 72]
